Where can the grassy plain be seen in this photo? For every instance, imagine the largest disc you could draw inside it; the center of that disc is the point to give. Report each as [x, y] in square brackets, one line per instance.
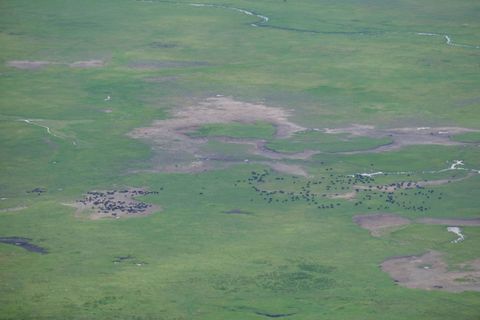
[332, 64]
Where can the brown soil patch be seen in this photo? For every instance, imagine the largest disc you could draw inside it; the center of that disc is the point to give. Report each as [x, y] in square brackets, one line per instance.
[430, 272]
[27, 65]
[181, 153]
[403, 136]
[169, 133]
[116, 203]
[450, 221]
[32, 65]
[87, 64]
[379, 224]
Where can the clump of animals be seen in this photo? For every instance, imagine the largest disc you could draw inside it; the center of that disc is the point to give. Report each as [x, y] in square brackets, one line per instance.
[116, 203]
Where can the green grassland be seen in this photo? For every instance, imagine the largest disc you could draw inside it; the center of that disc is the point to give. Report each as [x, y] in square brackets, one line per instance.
[473, 137]
[236, 130]
[332, 63]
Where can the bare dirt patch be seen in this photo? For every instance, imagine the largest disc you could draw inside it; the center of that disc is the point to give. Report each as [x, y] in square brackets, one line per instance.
[179, 151]
[450, 221]
[27, 64]
[430, 272]
[170, 133]
[87, 64]
[116, 203]
[32, 65]
[182, 153]
[379, 224]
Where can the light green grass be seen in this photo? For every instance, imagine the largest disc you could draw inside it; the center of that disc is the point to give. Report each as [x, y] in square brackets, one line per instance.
[258, 130]
[196, 261]
[473, 137]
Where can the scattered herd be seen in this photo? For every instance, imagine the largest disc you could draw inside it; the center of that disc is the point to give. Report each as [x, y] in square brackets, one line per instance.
[322, 192]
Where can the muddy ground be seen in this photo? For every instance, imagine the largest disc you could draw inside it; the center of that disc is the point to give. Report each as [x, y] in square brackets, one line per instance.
[179, 152]
[170, 136]
[33, 65]
[115, 203]
[430, 272]
[23, 243]
[379, 224]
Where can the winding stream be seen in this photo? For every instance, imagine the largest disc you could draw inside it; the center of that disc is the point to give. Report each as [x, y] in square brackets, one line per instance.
[263, 20]
[458, 232]
[448, 40]
[39, 125]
